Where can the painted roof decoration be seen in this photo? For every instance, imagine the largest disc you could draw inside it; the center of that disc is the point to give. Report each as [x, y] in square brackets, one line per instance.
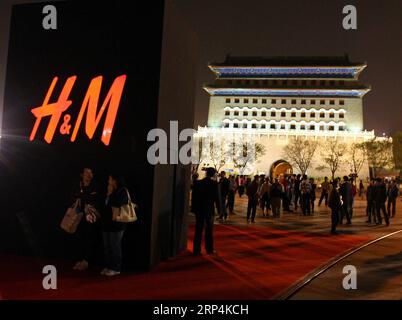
[351, 93]
[291, 67]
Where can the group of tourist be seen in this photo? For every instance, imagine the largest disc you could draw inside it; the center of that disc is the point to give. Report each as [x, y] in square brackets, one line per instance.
[288, 193]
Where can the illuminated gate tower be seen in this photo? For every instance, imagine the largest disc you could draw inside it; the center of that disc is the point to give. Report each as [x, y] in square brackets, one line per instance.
[276, 98]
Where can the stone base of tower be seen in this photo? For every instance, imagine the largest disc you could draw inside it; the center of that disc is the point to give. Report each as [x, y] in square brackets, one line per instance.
[275, 162]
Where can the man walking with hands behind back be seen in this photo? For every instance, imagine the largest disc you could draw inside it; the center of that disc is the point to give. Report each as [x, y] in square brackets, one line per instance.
[205, 197]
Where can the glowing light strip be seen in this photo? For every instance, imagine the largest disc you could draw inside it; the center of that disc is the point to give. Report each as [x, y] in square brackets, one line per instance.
[206, 131]
[286, 92]
[341, 123]
[255, 109]
[329, 72]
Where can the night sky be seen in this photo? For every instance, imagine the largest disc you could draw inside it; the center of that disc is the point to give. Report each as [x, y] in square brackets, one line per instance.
[312, 28]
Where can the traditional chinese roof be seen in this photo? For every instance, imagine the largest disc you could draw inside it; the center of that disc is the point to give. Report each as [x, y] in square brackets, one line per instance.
[288, 92]
[288, 67]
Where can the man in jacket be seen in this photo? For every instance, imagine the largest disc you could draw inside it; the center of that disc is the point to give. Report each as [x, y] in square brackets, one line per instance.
[335, 204]
[346, 193]
[393, 192]
[305, 190]
[252, 194]
[380, 199]
[276, 195]
[205, 198]
[224, 186]
[324, 192]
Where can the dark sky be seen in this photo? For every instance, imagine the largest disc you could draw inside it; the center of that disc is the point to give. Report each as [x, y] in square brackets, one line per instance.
[313, 28]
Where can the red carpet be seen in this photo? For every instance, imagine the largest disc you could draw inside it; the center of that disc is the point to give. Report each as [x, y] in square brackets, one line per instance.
[252, 263]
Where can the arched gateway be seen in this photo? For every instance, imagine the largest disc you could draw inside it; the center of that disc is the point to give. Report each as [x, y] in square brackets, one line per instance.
[280, 168]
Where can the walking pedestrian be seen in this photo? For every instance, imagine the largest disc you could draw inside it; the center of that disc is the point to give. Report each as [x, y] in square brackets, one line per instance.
[305, 189]
[205, 198]
[252, 194]
[264, 197]
[324, 192]
[276, 195]
[223, 186]
[297, 191]
[380, 199]
[346, 194]
[335, 205]
[393, 192]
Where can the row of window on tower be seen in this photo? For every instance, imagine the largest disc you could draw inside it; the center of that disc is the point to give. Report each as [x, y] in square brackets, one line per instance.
[285, 101]
[294, 82]
[274, 126]
[283, 114]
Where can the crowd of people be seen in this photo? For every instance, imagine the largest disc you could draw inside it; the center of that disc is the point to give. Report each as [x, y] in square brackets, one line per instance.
[289, 193]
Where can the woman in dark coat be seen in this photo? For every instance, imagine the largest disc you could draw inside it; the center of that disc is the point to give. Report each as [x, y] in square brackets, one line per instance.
[117, 196]
[335, 203]
[88, 231]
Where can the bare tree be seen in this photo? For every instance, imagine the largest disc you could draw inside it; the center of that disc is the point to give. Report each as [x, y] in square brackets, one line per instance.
[356, 158]
[299, 152]
[215, 149]
[379, 154]
[246, 154]
[332, 156]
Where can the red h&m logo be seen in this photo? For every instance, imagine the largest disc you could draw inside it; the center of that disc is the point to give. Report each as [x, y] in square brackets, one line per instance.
[90, 106]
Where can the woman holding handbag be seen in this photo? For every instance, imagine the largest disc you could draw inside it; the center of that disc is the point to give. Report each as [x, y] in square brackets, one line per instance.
[88, 232]
[117, 197]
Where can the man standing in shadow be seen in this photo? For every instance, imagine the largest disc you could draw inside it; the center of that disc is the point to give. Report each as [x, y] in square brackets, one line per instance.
[346, 192]
[205, 198]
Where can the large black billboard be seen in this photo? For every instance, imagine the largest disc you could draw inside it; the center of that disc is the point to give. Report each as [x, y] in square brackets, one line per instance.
[83, 95]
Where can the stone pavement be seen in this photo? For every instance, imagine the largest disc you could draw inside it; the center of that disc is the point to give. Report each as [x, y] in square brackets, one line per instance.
[320, 222]
[379, 266]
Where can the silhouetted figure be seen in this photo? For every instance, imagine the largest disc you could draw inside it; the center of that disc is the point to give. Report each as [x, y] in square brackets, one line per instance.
[346, 194]
[324, 192]
[380, 199]
[194, 178]
[353, 191]
[224, 186]
[113, 231]
[264, 197]
[371, 209]
[297, 190]
[335, 205]
[241, 185]
[252, 193]
[393, 192]
[88, 232]
[231, 194]
[305, 190]
[276, 195]
[205, 198]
